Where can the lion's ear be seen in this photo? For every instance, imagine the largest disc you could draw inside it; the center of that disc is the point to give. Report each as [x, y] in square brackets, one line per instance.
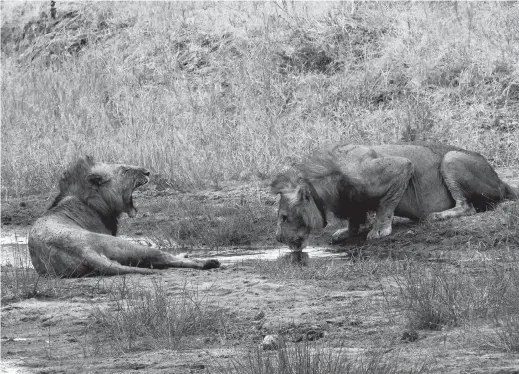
[280, 183]
[97, 179]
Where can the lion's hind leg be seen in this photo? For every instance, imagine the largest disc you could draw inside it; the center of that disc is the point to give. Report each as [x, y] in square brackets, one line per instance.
[472, 182]
[132, 255]
[388, 177]
[102, 265]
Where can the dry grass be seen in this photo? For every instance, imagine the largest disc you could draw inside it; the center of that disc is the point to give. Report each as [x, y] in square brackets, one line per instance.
[434, 297]
[311, 358]
[228, 91]
[140, 317]
[216, 227]
[477, 294]
[208, 92]
[19, 280]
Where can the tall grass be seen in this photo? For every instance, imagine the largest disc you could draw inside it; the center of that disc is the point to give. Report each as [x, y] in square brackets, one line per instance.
[204, 92]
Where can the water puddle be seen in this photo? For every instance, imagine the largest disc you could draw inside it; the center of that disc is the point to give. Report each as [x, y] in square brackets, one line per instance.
[14, 252]
[228, 257]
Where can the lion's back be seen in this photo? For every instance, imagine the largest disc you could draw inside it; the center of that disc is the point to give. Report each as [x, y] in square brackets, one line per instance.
[424, 156]
[426, 191]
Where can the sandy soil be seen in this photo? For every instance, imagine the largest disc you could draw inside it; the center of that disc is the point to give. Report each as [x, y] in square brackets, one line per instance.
[335, 301]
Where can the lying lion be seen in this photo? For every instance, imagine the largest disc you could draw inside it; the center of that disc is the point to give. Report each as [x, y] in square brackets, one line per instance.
[76, 236]
[413, 180]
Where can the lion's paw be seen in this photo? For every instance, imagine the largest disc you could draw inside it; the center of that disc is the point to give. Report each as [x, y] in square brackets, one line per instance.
[340, 236]
[436, 216]
[211, 264]
[377, 233]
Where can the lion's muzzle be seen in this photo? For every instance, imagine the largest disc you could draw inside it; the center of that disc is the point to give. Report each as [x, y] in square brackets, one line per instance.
[294, 244]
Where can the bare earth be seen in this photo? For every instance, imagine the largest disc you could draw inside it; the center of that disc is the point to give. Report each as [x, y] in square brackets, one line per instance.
[335, 301]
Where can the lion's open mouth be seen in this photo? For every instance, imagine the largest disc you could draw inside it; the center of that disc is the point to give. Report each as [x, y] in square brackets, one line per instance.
[141, 181]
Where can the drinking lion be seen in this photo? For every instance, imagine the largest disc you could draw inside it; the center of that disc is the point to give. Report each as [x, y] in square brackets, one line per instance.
[413, 180]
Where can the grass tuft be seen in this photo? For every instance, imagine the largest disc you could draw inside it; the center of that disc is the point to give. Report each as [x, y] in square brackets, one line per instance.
[140, 318]
[437, 296]
[505, 336]
[309, 358]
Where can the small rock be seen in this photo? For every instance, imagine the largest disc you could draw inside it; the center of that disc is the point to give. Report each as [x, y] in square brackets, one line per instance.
[270, 343]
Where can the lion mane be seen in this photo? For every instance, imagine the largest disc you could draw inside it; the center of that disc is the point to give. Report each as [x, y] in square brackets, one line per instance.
[414, 180]
[76, 236]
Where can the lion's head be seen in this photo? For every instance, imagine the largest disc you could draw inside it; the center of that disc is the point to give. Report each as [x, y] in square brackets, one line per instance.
[106, 188]
[300, 211]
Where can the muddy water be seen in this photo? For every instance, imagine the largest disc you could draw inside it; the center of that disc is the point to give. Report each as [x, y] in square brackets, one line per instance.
[14, 251]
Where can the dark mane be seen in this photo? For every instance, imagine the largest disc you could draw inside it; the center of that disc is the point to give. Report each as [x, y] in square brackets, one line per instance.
[332, 184]
[72, 182]
[320, 165]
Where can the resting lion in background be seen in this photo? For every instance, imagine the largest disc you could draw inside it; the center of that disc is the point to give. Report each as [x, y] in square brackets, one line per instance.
[413, 180]
[76, 236]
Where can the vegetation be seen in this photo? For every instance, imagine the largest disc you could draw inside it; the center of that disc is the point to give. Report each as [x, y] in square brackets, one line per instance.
[151, 318]
[435, 297]
[209, 92]
[308, 358]
[206, 93]
[19, 280]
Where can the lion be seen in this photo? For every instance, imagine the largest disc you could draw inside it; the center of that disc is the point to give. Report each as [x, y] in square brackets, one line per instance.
[418, 180]
[76, 236]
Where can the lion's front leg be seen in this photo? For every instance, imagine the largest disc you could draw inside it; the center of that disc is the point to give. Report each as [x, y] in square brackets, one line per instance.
[387, 179]
[342, 235]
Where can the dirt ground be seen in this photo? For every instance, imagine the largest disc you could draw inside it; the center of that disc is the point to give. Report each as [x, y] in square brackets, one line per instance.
[337, 301]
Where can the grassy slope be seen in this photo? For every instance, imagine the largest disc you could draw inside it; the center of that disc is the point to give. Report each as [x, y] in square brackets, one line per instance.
[205, 92]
